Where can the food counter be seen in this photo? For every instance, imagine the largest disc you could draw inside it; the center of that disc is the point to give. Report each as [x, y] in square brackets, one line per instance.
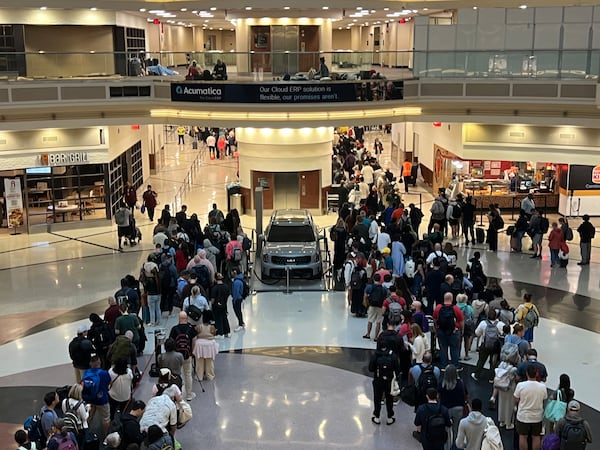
[486, 192]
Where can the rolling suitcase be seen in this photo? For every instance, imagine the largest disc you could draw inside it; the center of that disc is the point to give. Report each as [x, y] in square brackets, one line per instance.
[195, 145]
[480, 235]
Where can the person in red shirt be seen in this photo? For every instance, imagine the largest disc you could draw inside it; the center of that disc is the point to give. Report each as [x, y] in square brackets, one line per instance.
[398, 212]
[555, 239]
[449, 324]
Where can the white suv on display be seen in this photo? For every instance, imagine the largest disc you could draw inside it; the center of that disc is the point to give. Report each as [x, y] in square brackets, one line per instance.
[291, 241]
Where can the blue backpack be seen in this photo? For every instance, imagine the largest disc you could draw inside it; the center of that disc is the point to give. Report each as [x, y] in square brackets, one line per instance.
[91, 387]
[35, 432]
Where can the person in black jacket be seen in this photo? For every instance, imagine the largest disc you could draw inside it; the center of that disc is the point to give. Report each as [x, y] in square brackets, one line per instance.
[165, 216]
[102, 336]
[80, 351]
[384, 364]
[131, 433]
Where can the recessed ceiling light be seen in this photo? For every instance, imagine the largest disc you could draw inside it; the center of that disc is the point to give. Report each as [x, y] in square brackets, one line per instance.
[339, 28]
[359, 7]
[286, 7]
[210, 28]
[231, 29]
[142, 9]
[415, 11]
[386, 9]
[183, 9]
[206, 20]
[347, 28]
[248, 8]
[523, 7]
[93, 9]
[43, 8]
[213, 8]
[220, 29]
[474, 7]
[425, 9]
[325, 7]
[354, 20]
[373, 11]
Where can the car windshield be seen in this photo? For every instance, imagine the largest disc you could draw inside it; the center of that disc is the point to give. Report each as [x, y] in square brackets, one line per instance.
[302, 233]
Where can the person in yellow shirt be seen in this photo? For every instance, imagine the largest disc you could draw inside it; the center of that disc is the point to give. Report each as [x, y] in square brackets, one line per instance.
[406, 173]
[180, 135]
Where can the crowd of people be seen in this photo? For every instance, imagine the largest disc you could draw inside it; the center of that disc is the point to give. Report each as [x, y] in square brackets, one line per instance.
[193, 269]
[427, 313]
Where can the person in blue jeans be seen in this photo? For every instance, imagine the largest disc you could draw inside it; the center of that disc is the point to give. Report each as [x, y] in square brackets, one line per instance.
[237, 296]
[449, 324]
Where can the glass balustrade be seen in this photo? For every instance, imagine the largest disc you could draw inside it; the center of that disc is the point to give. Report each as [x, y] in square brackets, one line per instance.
[349, 65]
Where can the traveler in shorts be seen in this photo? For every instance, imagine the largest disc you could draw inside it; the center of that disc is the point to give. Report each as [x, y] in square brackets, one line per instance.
[529, 399]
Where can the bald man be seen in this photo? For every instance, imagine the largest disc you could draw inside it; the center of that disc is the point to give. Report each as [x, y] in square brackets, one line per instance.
[184, 335]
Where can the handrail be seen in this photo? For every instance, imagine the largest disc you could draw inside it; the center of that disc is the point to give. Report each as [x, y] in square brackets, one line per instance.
[187, 183]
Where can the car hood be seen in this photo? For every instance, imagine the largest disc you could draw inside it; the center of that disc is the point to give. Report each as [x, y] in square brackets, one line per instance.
[290, 248]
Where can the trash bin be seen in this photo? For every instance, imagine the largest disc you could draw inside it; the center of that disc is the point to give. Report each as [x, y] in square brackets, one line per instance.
[237, 202]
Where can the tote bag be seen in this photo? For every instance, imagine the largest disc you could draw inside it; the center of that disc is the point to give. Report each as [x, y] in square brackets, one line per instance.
[555, 409]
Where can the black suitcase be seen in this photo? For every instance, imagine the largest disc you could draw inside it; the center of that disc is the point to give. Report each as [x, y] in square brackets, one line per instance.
[480, 235]
[194, 145]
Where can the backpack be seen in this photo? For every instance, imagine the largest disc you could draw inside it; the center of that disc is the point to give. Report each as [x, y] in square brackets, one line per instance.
[503, 376]
[544, 225]
[426, 380]
[573, 436]
[491, 338]
[385, 366]
[236, 254]
[435, 426]
[498, 222]
[164, 277]
[531, 318]
[447, 319]
[245, 289]
[551, 442]
[121, 217]
[469, 321]
[246, 244]
[203, 275]
[491, 437]
[568, 234]
[456, 211]
[65, 442]
[377, 296]
[104, 337]
[91, 386]
[71, 418]
[394, 311]
[35, 432]
[510, 353]
[183, 344]
[357, 278]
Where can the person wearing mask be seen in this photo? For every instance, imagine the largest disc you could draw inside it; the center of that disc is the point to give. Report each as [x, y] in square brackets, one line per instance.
[472, 428]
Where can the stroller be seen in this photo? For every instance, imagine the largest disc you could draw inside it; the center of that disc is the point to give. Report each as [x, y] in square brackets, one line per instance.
[135, 235]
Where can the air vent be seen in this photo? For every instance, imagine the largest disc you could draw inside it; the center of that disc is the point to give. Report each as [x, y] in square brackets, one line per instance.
[567, 136]
[2, 141]
[50, 139]
[519, 134]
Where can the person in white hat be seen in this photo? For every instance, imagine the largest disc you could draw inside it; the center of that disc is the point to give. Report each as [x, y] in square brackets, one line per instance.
[80, 352]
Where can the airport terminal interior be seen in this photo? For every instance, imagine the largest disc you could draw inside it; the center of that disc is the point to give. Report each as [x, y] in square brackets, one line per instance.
[493, 102]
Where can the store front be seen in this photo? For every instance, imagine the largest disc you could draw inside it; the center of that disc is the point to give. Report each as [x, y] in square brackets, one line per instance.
[65, 189]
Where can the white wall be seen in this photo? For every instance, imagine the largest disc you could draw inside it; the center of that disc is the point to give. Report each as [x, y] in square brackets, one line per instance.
[282, 150]
[448, 136]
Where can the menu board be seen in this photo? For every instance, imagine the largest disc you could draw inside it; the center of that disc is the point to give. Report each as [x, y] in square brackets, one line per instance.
[14, 202]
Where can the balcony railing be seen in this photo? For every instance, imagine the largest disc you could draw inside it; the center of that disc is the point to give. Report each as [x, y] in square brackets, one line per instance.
[544, 64]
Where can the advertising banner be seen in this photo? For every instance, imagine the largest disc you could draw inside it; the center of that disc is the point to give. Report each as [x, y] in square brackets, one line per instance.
[14, 202]
[280, 92]
[584, 177]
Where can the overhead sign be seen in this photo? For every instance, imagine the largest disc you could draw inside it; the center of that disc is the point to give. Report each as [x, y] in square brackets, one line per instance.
[584, 177]
[268, 93]
[63, 158]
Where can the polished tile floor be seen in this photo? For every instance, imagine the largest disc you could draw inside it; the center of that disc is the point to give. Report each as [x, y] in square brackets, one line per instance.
[296, 377]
